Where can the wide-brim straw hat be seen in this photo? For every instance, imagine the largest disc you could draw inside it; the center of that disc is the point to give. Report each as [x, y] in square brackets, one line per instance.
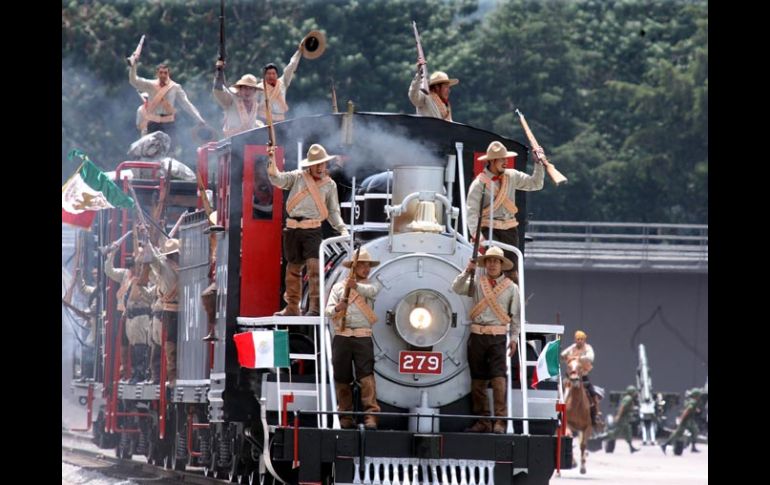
[495, 252]
[497, 150]
[314, 44]
[363, 257]
[316, 154]
[170, 246]
[440, 77]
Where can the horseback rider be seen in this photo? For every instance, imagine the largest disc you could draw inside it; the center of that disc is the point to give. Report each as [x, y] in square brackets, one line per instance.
[583, 351]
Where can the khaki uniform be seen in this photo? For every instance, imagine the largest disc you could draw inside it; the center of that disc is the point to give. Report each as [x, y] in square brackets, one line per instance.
[237, 117]
[354, 345]
[302, 236]
[167, 276]
[428, 104]
[504, 222]
[487, 350]
[162, 110]
[277, 93]
[134, 300]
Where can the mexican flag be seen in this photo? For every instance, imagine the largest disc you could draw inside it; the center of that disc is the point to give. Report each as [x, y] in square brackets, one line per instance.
[263, 348]
[547, 363]
[87, 191]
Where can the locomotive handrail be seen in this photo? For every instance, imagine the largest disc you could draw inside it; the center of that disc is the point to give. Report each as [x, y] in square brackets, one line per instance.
[326, 362]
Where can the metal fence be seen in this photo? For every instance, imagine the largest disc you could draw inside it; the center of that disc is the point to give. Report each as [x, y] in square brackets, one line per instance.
[617, 246]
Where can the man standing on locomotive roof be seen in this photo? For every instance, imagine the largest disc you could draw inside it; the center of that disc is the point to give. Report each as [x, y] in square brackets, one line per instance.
[160, 112]
[312, 200]
[505, 181]
[436, 103]
[239, 102]
[495, 313]
[134, 300]
[275, 88]
[165, 266]
[353, 339]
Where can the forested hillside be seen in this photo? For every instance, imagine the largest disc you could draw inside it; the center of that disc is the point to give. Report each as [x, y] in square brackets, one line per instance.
[615, 90]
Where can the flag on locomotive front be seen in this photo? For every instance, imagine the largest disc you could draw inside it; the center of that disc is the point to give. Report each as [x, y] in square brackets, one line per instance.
[547, 363]
[260, 349]
[87, 191]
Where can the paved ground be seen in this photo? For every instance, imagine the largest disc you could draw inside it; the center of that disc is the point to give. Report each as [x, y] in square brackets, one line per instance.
[647, 467]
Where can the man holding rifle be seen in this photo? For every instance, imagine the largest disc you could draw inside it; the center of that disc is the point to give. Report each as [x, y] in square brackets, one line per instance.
[239, 102]
[495, 313]
[312, 200]
[159, 113]
[430, 98]
[503, 182]
[350, 307]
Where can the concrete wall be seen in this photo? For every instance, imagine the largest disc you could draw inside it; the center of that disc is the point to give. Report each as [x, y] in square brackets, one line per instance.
[611, 306]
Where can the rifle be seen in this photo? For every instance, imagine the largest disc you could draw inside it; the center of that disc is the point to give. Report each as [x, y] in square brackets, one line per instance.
[108, 247]
[130, 60]
[476, 241]
[423, 67]
[270, 129]
[222, 31]
[555, 175]
[84, 315]
[352, 276]
[334, 99]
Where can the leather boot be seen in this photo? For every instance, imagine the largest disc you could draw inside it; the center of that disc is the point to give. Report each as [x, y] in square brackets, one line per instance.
[138, 363]
[293, 291]
[480, 406]
[501, 409]
[369, 401]
[154, 364]
[170, 363]
[693, 449]
[124, 358]
[313, 288]
[209, 301]
[345, 403]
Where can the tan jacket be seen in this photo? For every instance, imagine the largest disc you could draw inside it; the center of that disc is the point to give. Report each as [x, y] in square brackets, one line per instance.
[508, 299]
[234, 115]
[174, 94]
[294, 183]
[425, 103]
[516, 180]
[278, 107]
[354, 318]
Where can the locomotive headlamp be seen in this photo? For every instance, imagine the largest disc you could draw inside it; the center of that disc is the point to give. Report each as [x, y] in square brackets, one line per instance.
[423, 317]
[420, 318]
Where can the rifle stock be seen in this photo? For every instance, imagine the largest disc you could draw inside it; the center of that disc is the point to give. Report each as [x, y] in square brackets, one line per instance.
[555, 175]
[476, 241]
[137, 52]
[351, 276]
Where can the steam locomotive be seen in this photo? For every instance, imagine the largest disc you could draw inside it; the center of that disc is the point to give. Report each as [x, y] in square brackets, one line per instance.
[402, 182]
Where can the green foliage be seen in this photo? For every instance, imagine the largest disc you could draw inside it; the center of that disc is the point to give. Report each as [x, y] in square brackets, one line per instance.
[615, 90]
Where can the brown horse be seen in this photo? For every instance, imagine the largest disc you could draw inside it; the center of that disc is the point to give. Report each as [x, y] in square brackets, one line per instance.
[578, 408]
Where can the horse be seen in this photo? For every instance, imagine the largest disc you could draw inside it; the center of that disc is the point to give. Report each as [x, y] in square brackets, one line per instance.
[578, 407]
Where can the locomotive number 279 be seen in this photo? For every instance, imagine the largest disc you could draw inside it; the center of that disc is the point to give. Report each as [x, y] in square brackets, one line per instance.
[413, 362]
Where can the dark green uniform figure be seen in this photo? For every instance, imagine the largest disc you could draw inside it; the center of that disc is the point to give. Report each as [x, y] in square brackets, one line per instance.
[624, 417]
[687, 420]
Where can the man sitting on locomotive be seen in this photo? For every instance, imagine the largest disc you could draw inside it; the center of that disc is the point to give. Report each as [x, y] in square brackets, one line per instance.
[312, 200]
[495, 313]
[580, 349]
[352, 341]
